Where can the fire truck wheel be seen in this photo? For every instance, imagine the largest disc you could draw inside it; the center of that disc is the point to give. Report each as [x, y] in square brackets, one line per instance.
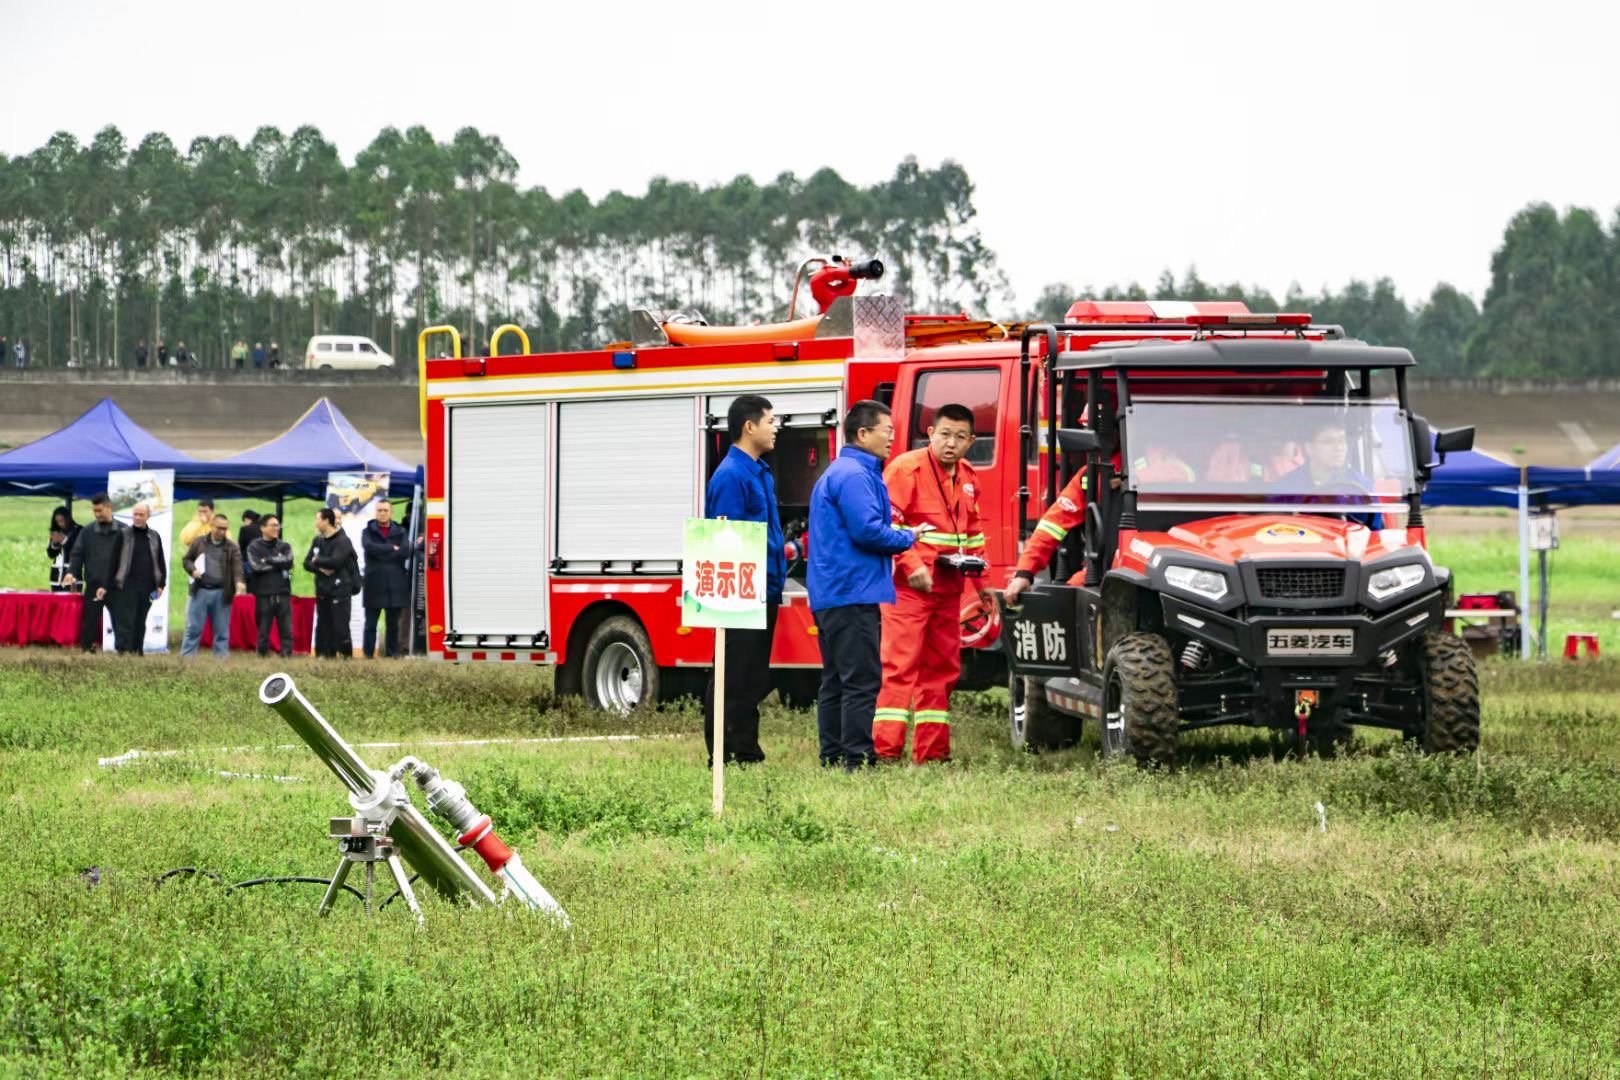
[1450, 696]
[1035, 724]
[1141, 712]
[619, 673]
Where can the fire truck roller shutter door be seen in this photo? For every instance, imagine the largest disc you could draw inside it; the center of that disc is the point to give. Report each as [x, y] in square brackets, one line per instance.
[499, 466]
[798, 408]
[626, 480]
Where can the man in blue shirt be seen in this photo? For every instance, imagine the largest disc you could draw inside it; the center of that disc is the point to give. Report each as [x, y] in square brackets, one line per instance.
[852, 549]
[742, 489]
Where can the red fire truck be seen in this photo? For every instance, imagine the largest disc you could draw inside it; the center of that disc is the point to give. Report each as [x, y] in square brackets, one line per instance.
[557, 484]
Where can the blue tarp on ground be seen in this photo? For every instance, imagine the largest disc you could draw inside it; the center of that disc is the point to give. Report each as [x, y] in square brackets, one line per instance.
[297, 461]
[75, 460]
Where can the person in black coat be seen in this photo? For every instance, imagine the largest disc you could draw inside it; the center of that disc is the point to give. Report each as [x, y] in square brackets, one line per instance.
[388, 579]
[332, 560]
[64, 531]
[249, 531]
[94, 561]
[269, 564]
[143, 574]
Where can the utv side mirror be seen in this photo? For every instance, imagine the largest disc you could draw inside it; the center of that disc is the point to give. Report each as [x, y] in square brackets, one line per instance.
[1422, 442]
[1078, 440]
[1454, 440]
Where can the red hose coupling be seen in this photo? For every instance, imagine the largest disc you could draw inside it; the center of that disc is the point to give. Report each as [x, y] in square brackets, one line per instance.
[482, 839]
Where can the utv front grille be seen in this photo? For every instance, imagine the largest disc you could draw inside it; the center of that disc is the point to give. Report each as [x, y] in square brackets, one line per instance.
[1301, 582]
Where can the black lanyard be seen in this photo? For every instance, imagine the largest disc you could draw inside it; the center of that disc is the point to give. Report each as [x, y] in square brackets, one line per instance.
[939, 479]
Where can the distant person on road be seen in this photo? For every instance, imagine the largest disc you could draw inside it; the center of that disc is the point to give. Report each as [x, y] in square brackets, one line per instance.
[274, 358]
[182, 355]
[214, 564]
[64, 531]
[140, 353]
[852, 549]
[332, 560]
[743, 489]
[249, 531]
[258, 356]
[162, 354]
[269, 563]
[95, 562]
[239, 354]
[388, 581]
[143, 575]
[199, 525]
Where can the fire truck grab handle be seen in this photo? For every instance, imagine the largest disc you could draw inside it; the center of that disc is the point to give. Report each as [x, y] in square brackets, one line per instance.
[421, 366]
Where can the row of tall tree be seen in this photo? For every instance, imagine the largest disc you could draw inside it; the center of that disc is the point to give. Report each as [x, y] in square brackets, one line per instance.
[103, 245]
[1552, 310]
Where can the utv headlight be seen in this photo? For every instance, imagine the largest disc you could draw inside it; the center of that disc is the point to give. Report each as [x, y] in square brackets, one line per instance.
[1203, 582]
[1395, 579]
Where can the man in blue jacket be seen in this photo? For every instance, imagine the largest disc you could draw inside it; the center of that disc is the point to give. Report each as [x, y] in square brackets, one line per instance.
[852, 545]
[742, 489]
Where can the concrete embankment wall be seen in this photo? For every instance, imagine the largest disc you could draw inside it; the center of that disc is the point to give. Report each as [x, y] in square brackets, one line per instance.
[215, 413]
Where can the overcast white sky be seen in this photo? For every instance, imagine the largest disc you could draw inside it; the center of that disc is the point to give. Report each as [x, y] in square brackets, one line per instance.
[1266, 143]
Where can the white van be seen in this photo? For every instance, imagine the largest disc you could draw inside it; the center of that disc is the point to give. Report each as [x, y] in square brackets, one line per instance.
[345, 352]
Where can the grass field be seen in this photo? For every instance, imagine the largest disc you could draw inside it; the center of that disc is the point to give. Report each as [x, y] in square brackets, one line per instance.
[1003, 915]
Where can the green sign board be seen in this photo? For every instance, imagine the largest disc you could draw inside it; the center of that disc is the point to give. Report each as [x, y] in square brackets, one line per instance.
[723, 574]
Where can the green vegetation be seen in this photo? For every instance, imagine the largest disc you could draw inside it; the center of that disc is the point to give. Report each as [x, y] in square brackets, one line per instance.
[106, 243]
[1002, 915]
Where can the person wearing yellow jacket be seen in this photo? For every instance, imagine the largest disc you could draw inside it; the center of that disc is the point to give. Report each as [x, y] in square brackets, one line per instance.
[931, 486]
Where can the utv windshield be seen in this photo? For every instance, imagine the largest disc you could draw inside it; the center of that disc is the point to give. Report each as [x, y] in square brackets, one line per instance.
[1252, 450]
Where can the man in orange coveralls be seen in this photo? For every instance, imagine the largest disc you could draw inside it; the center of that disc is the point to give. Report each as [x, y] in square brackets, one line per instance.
[922, 637]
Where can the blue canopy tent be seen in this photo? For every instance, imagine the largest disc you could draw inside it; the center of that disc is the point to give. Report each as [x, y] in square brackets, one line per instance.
[73, 462]
[297, 461]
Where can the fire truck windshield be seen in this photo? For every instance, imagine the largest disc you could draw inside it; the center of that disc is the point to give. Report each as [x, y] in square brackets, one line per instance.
[1271, 450]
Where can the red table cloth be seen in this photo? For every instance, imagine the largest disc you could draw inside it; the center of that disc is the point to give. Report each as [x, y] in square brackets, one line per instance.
[40, 618]
[245, 626]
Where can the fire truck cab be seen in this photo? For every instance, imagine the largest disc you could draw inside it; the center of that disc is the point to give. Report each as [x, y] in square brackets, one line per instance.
[557, 483]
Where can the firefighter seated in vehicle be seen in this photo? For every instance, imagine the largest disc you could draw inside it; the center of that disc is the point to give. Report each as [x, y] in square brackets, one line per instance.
[1326, 477]
[1067, 512]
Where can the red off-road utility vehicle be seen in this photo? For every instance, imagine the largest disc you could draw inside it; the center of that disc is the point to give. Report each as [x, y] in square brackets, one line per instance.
[1253, 550]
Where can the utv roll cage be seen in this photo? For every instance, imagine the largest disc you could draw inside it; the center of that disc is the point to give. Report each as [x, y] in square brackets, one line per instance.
[1294, 359]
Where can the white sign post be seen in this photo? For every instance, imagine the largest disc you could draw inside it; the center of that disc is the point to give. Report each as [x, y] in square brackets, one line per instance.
[155, 488]
[723, 587]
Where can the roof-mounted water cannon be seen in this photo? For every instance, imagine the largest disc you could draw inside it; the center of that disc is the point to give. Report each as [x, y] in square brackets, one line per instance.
[834, 277]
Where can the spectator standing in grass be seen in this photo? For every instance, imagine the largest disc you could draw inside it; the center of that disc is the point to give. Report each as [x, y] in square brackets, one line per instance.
[162, 354]
[182, 355]
[214, 564]
[388, 581]
[64, 531]
[332, 560]
[258, 356]
[269, 564]
[140, 353]
[5, 350]
[239, 354]
[743, 489]
[249, 531]
[199, 525]
[274, 359]
[20, 351]
[143, 574]
[95, 562]
[851, 572]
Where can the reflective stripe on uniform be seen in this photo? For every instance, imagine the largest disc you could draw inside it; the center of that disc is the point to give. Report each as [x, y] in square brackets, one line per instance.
[955, 540]
[901, 715]
[1055, 531]
[933, 716]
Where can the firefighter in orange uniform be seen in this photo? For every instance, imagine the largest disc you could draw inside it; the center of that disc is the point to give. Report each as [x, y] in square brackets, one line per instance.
[922, 636]
[1067, 513]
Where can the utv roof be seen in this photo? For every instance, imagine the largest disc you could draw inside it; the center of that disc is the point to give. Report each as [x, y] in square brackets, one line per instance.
[1228, 354]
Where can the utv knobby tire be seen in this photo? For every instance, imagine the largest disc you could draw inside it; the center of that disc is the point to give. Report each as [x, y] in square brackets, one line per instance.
[1450, 696]
[1141, 710]
[1034, 724]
